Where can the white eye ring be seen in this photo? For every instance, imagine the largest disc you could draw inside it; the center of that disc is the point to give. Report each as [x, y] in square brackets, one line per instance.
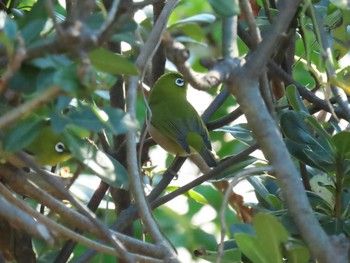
[180, 82]
[59, 147]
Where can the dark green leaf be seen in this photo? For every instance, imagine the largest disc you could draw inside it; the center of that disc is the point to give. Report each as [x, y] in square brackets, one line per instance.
[303, 153]
[96, 119]
[321, 157]
[45, 78]
[67, 79]
[107, 61]
[24, 80]
[319, 204]
[231, 171]
[342, 143]
[294, 127]
[261, 192]
[10, 28]
[51, 61]
[31, 31]
[38, 11]
[22, 134]
[127, 37]
[225, 8]
[324, 139]
[295, 100]
[242, 228]
[106, 167]
[240, 131]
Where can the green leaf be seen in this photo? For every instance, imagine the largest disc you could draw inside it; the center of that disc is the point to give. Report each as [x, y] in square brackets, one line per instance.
[31, 31]
[192, 194]
[10, 28]
[191, 31]
[342, 143]
[225, 8]
[261, 192]
[105, 167]
[4, 40]
[51, 61]
[250, 247]
[67, 79]
[240, 131]
[22, 134]
[196, 19]
[295, 99]
[319, 204]
[275, 201]
[323, 137]
[230, 256]
[297, 252]
[321, 157]
[96, 119]
[294, 127]
[242, 228]
[24, 80]
[304, 145]
[231, 171]
[107, 61]
[271, 235]
[342, 4]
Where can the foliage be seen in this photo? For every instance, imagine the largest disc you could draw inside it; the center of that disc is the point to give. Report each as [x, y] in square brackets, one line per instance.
[71, 66]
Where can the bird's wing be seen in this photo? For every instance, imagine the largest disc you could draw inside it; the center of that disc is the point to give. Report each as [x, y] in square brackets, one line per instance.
[184, 120]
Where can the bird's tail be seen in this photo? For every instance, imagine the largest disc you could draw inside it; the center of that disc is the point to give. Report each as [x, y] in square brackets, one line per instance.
[208, 157]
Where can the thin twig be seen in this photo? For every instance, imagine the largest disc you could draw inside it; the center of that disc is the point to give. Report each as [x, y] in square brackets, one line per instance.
[17, 217]
[130, 214]
[265, 49]
[51, 12]
[135, 180]
[214, 172]
[111, 16]
[53, 226]
[26, 108]
[62, 190]
[328, 59]
[238, 177]
[229, 37]
[253, 28]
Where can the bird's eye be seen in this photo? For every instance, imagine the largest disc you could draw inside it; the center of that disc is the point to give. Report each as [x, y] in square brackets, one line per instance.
[59, 147]
[179, 82]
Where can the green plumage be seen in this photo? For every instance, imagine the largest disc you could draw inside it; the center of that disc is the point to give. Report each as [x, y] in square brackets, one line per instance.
[175, 124]
[47, 148]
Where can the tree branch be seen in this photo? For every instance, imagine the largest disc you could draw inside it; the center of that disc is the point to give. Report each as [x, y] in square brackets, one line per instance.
[135, 180]
[257, 60]
[269, 139]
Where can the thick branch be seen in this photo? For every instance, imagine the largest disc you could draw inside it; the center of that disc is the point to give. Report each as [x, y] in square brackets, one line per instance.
[265, 131]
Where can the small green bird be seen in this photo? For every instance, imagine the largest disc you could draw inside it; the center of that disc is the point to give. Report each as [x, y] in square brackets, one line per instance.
[175, 124]
[48, 148]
